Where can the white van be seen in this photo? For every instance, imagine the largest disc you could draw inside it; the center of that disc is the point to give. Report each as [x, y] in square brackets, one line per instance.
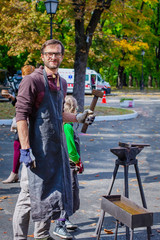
[93, 80]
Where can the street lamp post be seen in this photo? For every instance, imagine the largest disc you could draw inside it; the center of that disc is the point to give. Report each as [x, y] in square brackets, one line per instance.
[51, 8]
[142, 81]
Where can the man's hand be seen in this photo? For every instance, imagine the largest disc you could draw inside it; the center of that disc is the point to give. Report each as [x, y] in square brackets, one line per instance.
[27, 157]
[86, 117]
[90, 119]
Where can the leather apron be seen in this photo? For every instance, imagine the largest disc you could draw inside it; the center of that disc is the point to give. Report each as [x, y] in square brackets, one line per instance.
[50, 182]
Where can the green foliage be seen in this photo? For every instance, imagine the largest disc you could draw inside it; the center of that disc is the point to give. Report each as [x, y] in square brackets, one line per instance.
[123, 31]
[40, 6]
[12, 63]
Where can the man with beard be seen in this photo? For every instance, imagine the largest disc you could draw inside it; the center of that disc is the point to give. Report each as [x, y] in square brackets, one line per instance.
[45, 178]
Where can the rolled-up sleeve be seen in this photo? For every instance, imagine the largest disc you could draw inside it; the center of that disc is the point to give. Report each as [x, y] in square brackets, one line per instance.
[25, 98]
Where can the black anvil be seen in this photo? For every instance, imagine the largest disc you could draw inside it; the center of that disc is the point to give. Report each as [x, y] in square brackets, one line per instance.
[127, 152]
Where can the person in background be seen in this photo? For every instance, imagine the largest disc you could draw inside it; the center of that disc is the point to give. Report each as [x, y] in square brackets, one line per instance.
[45, 179]
[13, 177]
[73, 146]
[93, 81]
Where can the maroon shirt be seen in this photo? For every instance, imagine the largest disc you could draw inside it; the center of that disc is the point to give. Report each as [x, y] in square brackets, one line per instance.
[31, 92]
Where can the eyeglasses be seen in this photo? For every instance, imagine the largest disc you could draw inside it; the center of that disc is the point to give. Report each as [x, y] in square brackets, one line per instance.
[50, 54]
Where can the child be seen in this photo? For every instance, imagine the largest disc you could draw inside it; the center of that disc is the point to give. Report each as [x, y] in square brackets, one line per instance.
[73, 145]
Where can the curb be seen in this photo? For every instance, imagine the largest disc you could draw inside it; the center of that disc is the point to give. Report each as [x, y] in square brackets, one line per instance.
[97, 118]
[5, 121]
[117, 117]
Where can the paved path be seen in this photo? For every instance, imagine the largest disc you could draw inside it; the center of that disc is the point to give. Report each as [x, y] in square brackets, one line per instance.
[99, 164]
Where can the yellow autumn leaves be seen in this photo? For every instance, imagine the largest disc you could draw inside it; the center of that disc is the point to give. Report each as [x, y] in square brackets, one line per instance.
[131, 46]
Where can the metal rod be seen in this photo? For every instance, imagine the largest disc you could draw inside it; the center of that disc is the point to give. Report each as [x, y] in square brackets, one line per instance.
[140, 186]
[132, 231]
[116, 232]
[126, 192]
[142, 81]
[99, 225]
[51, 18]
[149, 230]
[127, 233]
[113, 178]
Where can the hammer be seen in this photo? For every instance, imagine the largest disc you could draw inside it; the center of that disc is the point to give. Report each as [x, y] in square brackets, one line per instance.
[97, 94]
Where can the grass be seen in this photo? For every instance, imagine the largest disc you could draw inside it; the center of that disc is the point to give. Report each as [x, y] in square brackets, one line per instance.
[124, 99]
[106, 111]
[7, 111]
[133, 89]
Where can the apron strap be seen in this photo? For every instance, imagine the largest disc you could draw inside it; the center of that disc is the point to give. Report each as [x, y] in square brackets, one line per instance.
[45, 79]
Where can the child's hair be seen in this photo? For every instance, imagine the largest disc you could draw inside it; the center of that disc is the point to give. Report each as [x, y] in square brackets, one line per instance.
[27, 69]
[70, 104]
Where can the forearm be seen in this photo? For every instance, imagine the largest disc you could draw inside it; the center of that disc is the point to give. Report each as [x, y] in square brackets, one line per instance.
[69, 117]
[12, 98]
[23, 133]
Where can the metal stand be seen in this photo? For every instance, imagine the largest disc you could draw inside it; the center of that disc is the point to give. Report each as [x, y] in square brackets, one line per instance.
[126, 156]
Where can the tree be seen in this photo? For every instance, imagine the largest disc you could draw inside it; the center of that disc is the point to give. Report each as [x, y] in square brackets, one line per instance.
[106, 37]
[11, 63]
[154, 65]
[21, 28]
[124, 31]
[84, 31]
[24, 28]
[127, 33]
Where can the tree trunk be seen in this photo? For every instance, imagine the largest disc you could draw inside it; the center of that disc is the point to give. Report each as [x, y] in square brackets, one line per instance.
[120, 76]
[136, 81]
[124, 79]
[82, 48]
[149, 81]
[156, 82]
[79, 78]
[158, 57]
[130, 80]
[83, 41]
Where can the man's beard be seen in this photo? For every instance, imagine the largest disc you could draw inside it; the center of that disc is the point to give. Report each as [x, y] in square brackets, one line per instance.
[48, 65]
